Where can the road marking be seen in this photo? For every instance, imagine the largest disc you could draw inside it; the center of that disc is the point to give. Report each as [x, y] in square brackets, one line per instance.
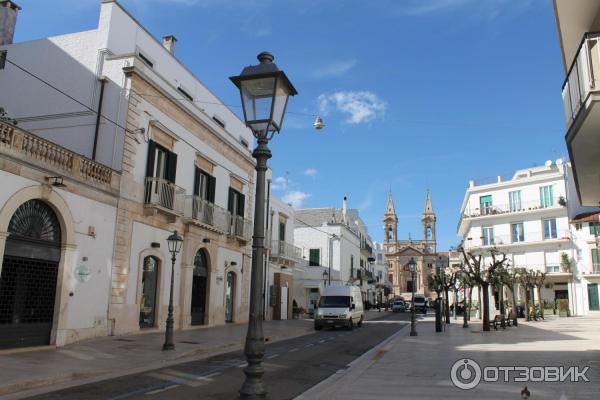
[162, 389]
[309, 345]
[273, 356]
[190, 377]
[321, 341]
[175, 379]
[242, 365]
[293, 350]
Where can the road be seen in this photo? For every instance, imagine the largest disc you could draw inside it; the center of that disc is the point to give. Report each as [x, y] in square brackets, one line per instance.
[291, 367]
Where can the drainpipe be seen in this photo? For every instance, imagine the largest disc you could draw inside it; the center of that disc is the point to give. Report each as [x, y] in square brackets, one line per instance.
[98, 116]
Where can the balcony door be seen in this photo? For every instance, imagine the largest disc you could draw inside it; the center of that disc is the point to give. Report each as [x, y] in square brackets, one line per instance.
[204, 192]
[160, 175]
[594, 302]
[485, 204]
[236, 206]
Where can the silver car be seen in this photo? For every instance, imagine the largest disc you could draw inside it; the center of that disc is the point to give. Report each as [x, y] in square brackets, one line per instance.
[399, 306]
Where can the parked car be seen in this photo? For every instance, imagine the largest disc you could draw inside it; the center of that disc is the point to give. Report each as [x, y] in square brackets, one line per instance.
[420, 304]
[340, 306]
[399, 306]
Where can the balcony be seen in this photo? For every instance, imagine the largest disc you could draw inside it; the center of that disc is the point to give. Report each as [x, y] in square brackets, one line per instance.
[581, 95]
[164, 196]
[57, 160]
[507, 240]
[285, 253]
[239, 227]
[206, 214]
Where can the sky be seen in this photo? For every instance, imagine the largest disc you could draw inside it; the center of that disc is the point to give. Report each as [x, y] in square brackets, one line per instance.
[416, 95]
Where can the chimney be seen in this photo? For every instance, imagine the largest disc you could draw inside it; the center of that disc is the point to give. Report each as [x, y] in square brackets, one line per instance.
[8, 20]
[345, 209]
[169, 43]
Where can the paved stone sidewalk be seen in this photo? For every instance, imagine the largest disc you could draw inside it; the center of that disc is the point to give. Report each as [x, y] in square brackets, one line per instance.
[119, 355]
[419, 367]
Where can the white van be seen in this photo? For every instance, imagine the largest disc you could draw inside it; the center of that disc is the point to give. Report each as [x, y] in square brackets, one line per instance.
[339, 306]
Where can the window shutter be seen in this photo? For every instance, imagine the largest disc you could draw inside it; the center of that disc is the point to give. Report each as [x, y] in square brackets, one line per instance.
[171, 171]
[196, 181]
[241, 205]
[151, 156]
[230, 201]
[212, 184]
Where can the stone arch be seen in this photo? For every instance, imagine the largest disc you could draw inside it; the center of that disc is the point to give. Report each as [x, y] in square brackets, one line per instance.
[68, 247]
[160, 258]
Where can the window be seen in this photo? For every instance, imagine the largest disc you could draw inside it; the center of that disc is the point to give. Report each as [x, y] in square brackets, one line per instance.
[487, 235]
[282, 231]
[314, 257]
[550, 228]
[517, 232]
[219, 121]
[162, 163]
[578, 227]
[236, 203]
[579, 254]
[552, 268]
[595, 228]
[379, 257]
[514, 200]
[596, 260]
[485, 204]
[547, 196]
[204, 185]
[185, 93]
[2, 59]
[409, 286]
[146, 60]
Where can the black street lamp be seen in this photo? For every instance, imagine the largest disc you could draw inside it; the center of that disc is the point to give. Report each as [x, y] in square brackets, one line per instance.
[264, 90]
[412, 266]
[325, 278]
[174, 243]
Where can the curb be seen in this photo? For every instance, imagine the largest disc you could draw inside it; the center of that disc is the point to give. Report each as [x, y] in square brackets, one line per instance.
[355, 368]
[21, 390]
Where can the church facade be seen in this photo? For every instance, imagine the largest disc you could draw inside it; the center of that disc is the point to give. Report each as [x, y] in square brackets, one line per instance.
[399, 252]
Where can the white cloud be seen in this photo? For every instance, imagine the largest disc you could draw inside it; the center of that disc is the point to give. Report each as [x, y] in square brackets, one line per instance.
[487, 10]
[312, 172]
[295, 198]
[361, 106]
[423, 7]
[279, 183]
[335, 69]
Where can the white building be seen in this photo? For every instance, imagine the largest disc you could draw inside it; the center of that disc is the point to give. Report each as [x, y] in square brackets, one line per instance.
[164, 155]
[526, 216]
[331, 242]
[381, 272]
[283, 259]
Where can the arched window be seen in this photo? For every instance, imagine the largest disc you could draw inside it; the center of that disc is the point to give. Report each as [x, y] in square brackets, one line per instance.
[428, 232]
[35, 220]
[150, 270]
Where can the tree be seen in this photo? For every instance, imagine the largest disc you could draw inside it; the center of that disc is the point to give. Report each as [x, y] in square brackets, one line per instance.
[483, 276]
[4, 118]
[538, 281]
[527, 279]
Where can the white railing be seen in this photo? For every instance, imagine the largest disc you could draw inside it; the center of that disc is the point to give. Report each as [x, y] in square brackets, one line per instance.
[595, 268]
[240, 227]
[503, 240]
[280, 248]
[498, 209]
[205, 212]
[582, 76]
[162, 193]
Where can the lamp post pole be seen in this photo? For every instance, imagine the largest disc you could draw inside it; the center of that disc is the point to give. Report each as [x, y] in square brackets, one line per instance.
[174, 241]
[412, 266]
[465, 301]
[264, 91]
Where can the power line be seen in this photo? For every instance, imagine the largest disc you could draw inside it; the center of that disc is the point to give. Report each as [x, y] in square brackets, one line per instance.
[67, 95]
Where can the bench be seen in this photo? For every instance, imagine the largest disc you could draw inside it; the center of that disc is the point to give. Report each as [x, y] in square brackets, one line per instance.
[499, 320]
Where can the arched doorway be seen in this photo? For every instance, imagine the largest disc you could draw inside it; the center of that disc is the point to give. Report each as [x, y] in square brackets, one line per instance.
[199, 288]
[149, 286]
[230, 297]
[29, 275]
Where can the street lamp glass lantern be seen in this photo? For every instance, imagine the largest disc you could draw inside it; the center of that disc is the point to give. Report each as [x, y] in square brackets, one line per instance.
[325, 275]
[412, 265]
[264, 90]
[174, 242]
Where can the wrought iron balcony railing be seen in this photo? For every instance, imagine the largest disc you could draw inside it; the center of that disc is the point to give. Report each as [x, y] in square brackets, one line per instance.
[205, 212]
[280, 248]
[240, 227]
[583, 76]
[166, 195]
